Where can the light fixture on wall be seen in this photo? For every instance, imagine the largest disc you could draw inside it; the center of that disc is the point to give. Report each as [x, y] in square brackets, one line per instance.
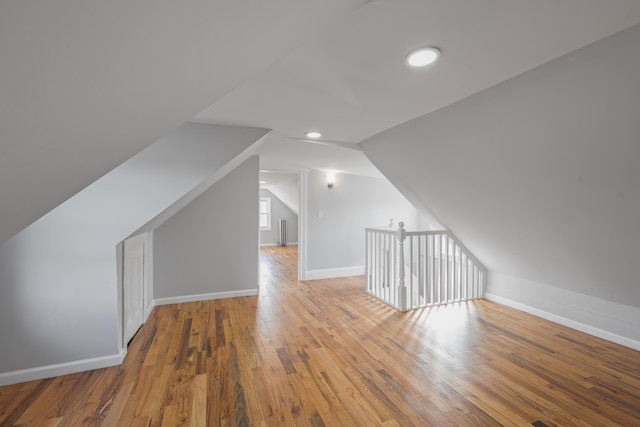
[423, 57]
[331, 179]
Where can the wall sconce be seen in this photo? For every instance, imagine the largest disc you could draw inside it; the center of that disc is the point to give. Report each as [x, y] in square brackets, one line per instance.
[331, 179]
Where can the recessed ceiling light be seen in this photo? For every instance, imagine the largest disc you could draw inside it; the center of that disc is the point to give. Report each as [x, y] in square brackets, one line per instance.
[263, 182]
[422, 57]
[313, 134]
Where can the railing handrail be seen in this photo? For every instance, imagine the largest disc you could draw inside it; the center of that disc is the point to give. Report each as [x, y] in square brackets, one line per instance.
[453, 236]
[467, 251]
[431, 233]
[382, 230]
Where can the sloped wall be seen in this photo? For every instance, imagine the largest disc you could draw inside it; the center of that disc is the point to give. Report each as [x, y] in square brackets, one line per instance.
[538, 176]
[210, 248]
[287, 191]
[59, 291]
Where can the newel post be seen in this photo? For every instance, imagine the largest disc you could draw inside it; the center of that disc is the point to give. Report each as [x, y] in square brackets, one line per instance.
[402, 289]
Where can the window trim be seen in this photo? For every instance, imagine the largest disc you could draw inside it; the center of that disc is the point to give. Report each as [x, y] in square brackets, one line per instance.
[267, 213]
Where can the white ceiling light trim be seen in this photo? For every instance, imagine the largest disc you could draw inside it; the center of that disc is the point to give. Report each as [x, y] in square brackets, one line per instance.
[423, 57]
[314, 134]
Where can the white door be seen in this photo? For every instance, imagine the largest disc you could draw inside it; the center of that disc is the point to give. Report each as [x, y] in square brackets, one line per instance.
[133, 284]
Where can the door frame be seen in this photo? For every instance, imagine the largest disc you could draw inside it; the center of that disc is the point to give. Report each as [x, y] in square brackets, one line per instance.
[303, 179]
[147, 292]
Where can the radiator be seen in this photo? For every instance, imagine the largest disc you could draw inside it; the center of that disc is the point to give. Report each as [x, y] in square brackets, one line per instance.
[282, 232]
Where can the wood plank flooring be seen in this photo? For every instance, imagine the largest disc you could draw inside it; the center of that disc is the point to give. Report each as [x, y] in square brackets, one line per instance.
[323, 353]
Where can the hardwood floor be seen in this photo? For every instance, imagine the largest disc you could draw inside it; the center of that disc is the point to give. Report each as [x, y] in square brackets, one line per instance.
[323, 353]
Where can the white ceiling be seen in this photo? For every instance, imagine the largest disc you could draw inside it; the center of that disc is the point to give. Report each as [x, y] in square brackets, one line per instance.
[86, 84]
[272, 179]
[278, 153]
[352, 82]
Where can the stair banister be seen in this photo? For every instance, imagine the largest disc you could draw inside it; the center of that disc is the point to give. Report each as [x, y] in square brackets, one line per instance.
[441, 269]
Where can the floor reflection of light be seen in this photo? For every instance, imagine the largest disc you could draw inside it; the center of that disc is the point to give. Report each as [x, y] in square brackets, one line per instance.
[266, 271]
[268, 309]
[445, 329]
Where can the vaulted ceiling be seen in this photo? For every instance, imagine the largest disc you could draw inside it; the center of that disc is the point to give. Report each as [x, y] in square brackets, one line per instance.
[352, 82]
[86, 84]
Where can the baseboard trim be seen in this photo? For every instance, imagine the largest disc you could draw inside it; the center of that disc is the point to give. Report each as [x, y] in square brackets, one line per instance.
[330, 273]
[579, 326]
[56, 370]
[277, 244]
[149, 309]
[205, 297]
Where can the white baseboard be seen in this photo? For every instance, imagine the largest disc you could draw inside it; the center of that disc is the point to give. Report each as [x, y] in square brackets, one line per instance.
[276, 244]
[56, 370]
[49, 371]
[149, 309]
[582, 327]
[330, 273]
[205, 297]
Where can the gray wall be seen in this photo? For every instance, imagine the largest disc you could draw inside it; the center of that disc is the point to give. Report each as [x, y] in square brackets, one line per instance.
[337, 239]
[287, 190]
[539, 176]
[279, 211]
[211, 245]
[58, 277]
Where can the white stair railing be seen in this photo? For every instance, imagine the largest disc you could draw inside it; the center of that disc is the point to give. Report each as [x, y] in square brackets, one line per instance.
[414, 269]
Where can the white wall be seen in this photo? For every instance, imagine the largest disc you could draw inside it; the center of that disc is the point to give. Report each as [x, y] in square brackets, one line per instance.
[59, 296]
[210, 248]
[538, 176]
[279, 211]
[336, 241]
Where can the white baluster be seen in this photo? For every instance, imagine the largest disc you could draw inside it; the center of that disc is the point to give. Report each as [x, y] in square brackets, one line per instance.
[367, 251]
[402, 289]
[445, 271]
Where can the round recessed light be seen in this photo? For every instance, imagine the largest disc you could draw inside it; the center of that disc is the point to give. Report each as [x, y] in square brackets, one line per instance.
[263, 182]
[422, 57]
[313, 134]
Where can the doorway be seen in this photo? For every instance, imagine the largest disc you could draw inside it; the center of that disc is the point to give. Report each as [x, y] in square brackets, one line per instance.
[281, 211]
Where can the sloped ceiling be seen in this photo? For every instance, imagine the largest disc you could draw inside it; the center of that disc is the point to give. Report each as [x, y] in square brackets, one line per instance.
[278, 154]
[352, 82]
[539, 175]
[61, 268]
[86, 84]
[284, 186]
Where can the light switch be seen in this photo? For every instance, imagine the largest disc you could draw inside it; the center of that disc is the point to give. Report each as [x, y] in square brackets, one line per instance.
[320, 213]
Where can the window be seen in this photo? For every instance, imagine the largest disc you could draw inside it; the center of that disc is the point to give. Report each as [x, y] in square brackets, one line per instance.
[265, 213]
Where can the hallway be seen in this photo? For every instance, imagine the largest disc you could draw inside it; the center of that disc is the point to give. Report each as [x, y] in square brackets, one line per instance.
[324, 353]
